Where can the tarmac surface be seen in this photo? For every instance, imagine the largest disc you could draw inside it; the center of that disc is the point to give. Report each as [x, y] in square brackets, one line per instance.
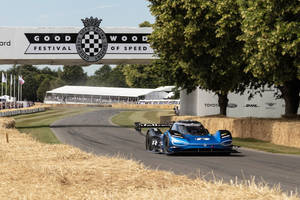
[93, 132]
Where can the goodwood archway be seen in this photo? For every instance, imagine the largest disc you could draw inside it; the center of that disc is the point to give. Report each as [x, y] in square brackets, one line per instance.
[75, 45]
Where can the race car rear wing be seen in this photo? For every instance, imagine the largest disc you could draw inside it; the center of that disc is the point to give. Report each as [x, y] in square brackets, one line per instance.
[139, 126]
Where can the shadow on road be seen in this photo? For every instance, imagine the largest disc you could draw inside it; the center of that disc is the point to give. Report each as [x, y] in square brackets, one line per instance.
[206, 154]
[75, 125]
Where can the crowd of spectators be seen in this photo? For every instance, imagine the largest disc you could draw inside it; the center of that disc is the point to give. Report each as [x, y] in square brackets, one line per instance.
[14, 104]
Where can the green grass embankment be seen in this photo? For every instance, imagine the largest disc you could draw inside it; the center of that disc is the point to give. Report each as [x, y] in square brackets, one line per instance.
[38, 124]
[265, 146]
[127, 118]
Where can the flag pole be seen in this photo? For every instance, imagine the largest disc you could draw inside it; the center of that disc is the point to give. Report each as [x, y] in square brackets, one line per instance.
[6, 85]
[10, 89]
[15, 87]
[18, 90]
[2, 85]
[21, 92]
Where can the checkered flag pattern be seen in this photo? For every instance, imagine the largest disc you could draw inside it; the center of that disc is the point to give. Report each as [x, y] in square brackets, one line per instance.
[91, 43]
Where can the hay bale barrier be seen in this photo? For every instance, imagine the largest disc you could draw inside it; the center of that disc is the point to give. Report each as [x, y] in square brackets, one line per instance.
[7, 123]
[33, 170]
[277, 131]
[21, 111]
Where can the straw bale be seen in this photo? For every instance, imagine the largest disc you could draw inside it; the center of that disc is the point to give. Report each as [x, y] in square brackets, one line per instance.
[32, 170]
[277, 131]
[6, 122]
[286, 133]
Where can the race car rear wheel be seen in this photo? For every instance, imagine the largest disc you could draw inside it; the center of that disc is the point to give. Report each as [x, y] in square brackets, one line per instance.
[147, 141]
[166, 144]
[149, 145]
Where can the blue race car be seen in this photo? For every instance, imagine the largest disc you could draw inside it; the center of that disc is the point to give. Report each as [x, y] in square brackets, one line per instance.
[186, 136]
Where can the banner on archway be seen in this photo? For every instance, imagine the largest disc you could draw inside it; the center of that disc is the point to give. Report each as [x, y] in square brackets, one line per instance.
[75, 45]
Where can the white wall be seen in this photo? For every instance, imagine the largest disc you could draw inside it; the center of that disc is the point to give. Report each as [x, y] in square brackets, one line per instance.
[202, 103]
[189, 104]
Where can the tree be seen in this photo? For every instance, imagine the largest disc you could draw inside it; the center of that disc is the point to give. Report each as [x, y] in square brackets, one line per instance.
[43, 88]
[56, 82]
[107, 76]
[30, 87]
[37, 81]
[140, 76]
[101, 77]
[73, 75]
[30, 74]
[271, 32]
[117, 77]
[148, 76]
[48, 71]
[198, 40]
[145, 24]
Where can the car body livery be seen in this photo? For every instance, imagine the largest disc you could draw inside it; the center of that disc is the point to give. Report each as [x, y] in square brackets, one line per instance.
[186, 136]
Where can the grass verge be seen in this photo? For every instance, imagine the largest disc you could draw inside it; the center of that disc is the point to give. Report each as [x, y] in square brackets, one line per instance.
[265, 146]
[37, 124]
[127, 118]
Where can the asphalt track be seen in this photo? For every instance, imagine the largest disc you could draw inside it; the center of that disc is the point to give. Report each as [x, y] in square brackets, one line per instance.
[93, 132]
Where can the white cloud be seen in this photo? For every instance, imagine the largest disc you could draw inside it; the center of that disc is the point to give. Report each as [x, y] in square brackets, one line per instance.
[103, 6]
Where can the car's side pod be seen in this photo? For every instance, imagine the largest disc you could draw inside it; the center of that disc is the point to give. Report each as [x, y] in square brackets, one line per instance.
[223, 135]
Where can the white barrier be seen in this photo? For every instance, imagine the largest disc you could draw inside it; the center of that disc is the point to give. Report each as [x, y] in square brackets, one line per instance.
[21, 111]
[204, 103]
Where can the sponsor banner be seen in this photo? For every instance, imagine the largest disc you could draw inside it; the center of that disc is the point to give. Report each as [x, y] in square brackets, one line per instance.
[207, 105]
[127, 38]
[232, 105]
[130, 48]
[65, 43]
[5, 43]
[270, 105]
[249, 105]
[75, 45]
[40, 48]
[51, 38]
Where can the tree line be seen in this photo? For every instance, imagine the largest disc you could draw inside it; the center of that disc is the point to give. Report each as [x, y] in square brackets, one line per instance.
[39, 81]
[229, 45]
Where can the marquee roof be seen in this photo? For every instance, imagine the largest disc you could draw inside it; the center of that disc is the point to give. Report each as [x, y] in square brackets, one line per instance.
[103, 91]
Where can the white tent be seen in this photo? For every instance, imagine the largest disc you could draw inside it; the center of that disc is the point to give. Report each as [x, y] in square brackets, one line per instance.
[89, 94]
[7, 98]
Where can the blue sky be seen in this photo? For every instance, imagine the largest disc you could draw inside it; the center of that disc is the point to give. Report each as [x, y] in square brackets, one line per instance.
[115, 13]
